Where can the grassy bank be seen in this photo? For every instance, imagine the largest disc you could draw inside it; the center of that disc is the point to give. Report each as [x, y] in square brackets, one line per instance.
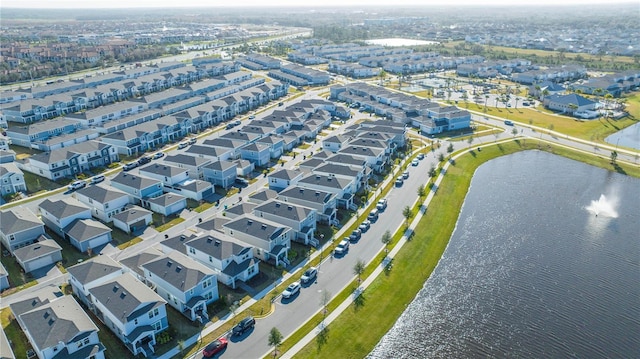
[590, 130]
[389, 295]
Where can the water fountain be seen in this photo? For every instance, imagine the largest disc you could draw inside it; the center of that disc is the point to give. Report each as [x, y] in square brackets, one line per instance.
[603, 207]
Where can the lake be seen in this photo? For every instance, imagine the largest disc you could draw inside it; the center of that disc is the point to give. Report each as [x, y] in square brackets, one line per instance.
[628, 137]
[531, 271]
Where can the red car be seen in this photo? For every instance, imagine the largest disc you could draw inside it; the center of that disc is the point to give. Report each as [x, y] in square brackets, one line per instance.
[215, 347]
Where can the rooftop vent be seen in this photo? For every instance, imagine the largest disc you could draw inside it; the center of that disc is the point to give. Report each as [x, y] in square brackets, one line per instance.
[169, 263]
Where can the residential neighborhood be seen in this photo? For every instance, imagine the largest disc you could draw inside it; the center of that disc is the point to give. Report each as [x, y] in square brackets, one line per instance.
[149, 201]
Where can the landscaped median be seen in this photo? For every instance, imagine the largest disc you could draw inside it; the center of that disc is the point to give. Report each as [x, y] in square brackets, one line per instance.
[363, 326]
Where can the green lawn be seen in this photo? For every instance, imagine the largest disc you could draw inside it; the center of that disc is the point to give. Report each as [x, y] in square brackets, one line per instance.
[17, 278]
[19, 342]
[590, 130]
[163, 223]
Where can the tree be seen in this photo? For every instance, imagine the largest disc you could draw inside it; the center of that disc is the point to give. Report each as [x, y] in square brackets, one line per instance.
[386, 239]
[383, 75]
[407, 213]
[325, 297]
[358, 269]
[470, 140]
[450, 149]
[514, 132]
[573, 107]
[614, 157]
[441, 157]
[432, 172]
[275, 339]
[422, 191]
[486, 98]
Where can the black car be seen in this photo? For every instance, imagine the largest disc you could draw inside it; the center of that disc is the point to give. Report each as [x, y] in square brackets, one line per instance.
[144, 160]
[244, 325]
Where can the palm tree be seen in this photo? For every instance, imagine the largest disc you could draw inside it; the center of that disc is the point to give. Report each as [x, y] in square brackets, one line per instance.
[545, 93]
[275, 339]
[486, 98]
[383, 75]
[386, 239]
[573, 107]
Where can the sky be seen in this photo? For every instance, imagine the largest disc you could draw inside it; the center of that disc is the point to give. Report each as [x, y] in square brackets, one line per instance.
[274, 3]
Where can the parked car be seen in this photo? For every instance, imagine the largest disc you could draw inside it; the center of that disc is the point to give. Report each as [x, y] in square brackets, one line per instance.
[292, 289]
[373, 215]
[144, 160]
[364, 226]
[244, 325]
[414, 162]
[129, 166]
[405, 174]
[355, 235]
[309, 275]
[182, 145]
[76, 185]
[508, 123]
[192, 140]
[382, 204]
[97, 179]
[399, 181]
[420, 156]
[242, 181]
[342, 247]
[236, 123]
[215, 347]
[158, 155]
[252, 117]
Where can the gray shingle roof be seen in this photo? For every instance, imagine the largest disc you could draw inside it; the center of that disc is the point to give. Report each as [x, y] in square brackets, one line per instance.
[284, 210]
[35, 299]
[85, 229]
[218, 245]
[306, 194]
[136, 261]
[178, 270]
[177, 243]
[325, 181]
[133, 181]
[97, 267]
[18, 219]
[61, 320]
[65, 207]
[126, 297]
[186, 160]
[162, 170]
[241, 208]
[131, 214]
[36, 250]
[285, 174]
[166, 199]
[263, 195]
[101, 193]
[257, 227]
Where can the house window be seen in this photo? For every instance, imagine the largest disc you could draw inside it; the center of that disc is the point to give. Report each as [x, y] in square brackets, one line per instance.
[86, 341]
[135, 321]
[153, 313]
[193, 251]
[157, 325]
[210, 259]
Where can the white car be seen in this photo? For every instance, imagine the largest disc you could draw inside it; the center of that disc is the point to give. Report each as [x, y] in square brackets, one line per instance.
[97, 179]
[182, 145]
[382, 204]
[309, 275]
[76, 185]
[342, 247]
[414, 162]
[292, 289]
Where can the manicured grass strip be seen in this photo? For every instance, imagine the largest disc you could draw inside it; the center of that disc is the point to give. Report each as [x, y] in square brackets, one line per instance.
[389, 295]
